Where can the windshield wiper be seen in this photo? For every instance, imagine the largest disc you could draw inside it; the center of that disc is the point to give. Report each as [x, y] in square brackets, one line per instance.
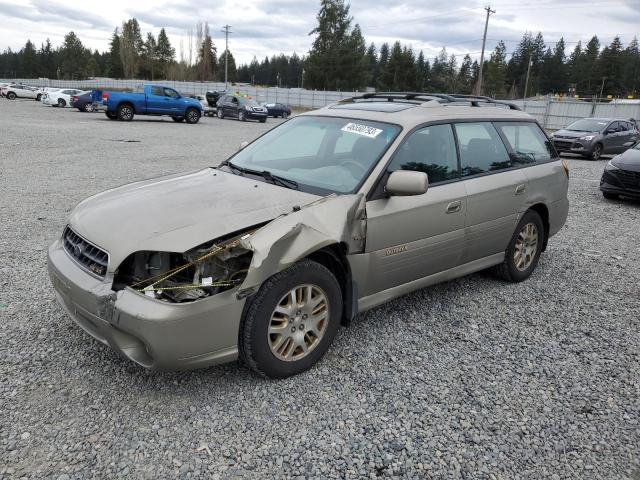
[277, 180]
[232, 167]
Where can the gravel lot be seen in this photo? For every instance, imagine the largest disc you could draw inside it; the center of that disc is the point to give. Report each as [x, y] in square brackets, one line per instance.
[474, 378]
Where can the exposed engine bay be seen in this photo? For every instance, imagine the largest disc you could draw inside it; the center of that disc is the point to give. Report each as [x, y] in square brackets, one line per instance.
[185, 277]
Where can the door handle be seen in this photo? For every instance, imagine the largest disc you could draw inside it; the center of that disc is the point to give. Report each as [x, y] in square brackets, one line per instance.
[454, 207]
[520, 189]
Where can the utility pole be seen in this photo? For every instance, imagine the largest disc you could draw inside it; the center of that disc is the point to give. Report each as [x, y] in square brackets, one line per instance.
[526, 82]
[484, 41]
[226, 32]
[602, 87]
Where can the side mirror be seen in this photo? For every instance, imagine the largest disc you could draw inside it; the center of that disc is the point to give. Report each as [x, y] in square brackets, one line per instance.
[406, 183]
[242, 145]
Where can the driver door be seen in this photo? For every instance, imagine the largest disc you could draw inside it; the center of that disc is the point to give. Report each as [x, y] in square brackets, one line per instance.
[409, 238]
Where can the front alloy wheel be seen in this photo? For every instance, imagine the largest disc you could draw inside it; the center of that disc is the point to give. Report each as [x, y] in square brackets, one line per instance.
[241, 116]
[596, 153]
[298, 322]
[289, 324]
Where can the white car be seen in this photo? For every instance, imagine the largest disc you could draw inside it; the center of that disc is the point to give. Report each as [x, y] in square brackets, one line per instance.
[3, 87]
[15, 90]
[207, 111]
[62, 97]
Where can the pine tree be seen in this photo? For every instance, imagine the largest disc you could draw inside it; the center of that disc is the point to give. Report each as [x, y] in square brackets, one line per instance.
[207, 58]
[131, 48]
[72, 57]
[149, 56]
[611, 67]
[494, 83]
[114, 61]
[465, 81]
[631, 69]
[166, 53]
[47, 60]
[29, 62]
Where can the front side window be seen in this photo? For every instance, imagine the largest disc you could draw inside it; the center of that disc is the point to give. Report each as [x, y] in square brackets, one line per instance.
[431, 150]
[527, 141]
[481, 149]
[168, 92]
[313, 152]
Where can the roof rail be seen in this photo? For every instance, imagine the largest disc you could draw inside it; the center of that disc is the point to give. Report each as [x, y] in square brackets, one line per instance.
[418, 97]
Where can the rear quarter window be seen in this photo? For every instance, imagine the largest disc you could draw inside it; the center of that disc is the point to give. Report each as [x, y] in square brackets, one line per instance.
[481, 149]
[528, 143]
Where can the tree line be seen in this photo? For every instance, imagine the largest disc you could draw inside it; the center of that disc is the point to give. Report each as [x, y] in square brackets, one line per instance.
[340, 59]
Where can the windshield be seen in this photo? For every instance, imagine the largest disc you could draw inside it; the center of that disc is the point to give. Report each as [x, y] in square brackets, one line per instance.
[323, 154]
[249, 102]
[588, 125]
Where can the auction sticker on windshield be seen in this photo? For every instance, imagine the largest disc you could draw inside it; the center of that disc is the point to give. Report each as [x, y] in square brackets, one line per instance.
[363, 130]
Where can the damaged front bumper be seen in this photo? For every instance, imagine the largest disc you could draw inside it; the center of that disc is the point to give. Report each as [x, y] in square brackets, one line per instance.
[152, 333]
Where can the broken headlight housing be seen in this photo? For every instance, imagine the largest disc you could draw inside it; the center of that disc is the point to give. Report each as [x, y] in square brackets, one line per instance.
[199, 273]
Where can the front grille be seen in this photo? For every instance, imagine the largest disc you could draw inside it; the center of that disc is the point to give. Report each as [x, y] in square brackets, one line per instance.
[562, 146]
[88, 256]
[630, 180]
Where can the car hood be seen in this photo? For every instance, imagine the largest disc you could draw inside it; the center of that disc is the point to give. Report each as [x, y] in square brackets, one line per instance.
[178, 212]
[572, 134]
[629, 160]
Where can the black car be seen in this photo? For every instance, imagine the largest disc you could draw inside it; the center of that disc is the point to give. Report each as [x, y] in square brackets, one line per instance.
[622, 175]
[84, 102]
[242, 108]
[278, 110]
[213, 97]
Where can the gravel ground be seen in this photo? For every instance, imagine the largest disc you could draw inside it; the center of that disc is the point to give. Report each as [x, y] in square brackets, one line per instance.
[474, 378]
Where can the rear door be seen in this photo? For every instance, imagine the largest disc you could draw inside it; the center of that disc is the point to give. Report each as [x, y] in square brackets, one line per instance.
[496, 191]
[629, 135]
[413, 237]
[611, 140]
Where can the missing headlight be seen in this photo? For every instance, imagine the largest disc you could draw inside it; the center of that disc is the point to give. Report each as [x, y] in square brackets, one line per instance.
[185, 277]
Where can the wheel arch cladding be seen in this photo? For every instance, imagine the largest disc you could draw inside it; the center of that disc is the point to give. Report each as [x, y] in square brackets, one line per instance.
[542, 210]
[324, 231]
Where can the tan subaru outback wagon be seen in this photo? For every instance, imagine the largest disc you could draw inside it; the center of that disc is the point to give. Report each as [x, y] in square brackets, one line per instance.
[329, 214]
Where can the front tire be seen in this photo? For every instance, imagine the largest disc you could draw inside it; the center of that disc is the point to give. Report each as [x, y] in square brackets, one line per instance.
[192, 115]
[525, 247]
[11, 96]
[596, 153]
[285, 115]
[125, 112]
[290, 323]
[263, 120]
[39, 97]
[220, 114]
[242, 116]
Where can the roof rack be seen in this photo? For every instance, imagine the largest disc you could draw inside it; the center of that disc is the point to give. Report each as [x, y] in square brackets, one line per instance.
[419, 97]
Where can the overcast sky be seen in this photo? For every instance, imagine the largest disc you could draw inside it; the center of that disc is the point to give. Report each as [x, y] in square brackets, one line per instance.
[267, 27]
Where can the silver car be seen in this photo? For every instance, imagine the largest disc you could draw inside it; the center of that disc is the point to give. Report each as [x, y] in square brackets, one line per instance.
[332, 213]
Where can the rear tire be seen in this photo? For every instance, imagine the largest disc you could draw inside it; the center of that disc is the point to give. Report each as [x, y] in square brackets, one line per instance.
[125, 112]
[88, 107]
[62, 103]
[274, 340]
[610, 196]
[11, 96]
[263, 120]
[523, 253]
[192, 116]
[38, 97]
[285, 115]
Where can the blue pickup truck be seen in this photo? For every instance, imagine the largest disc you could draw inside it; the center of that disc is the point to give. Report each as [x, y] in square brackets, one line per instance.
[153, 100]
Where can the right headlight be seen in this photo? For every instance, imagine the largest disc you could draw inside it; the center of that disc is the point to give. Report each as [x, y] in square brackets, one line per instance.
[587, 138]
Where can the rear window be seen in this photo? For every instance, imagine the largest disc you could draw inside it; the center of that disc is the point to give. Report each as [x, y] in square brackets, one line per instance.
[481, 149]
[527, 142]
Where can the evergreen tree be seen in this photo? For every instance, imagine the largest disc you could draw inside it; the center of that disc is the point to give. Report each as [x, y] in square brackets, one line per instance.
[47, 60]
[465, 76]
[149, 56]
[166, 53]
[494, 83]
[611, 63]
[72, 57]
[631, 69]
[207, 58]
[131, 47]
[114, 61]
[374, 66]
[29, 61]
[337, 54]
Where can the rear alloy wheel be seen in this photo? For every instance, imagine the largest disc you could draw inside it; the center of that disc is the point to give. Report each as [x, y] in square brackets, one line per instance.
[125, 112]
[11, 96]
[596, 153]
[88, 107]
[62, 103]
[525, 247]
[242, 116]
[220, 114]
[192, 116]
[291, 321]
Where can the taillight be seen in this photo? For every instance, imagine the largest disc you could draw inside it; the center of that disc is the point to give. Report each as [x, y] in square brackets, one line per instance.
[105, 96]
[565, 166]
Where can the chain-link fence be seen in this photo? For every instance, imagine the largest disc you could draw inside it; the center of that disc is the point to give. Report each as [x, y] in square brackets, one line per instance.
[550, 112]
